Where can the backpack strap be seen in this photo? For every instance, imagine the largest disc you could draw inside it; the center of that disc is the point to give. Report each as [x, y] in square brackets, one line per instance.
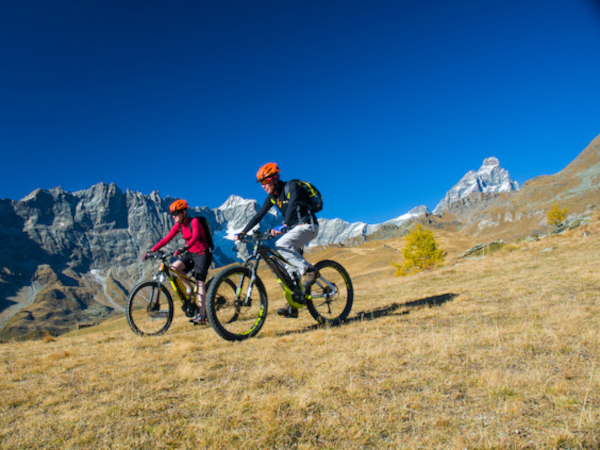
[189, 225]
[192, 232]
[286, 194]
[286, 189]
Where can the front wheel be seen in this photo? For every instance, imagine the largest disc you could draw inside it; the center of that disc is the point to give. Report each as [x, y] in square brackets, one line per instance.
[149, 309]
[233, 316]
[330, 299]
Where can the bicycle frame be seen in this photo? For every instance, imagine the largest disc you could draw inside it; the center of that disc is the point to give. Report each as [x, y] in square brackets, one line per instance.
[166, 272]
[231, 299]
[292, 291]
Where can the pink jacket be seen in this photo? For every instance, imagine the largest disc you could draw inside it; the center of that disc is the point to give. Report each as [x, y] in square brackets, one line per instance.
[196, 240]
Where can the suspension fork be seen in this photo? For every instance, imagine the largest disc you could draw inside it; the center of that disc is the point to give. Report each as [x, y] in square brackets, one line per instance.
[160, 277]
[253, 270]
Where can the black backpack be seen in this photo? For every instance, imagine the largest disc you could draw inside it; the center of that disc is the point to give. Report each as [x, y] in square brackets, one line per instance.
[315, 200]
[206, 227]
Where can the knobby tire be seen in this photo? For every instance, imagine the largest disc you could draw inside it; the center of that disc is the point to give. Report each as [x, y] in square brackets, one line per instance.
[149, 309]
[335, 309]
[228, 315]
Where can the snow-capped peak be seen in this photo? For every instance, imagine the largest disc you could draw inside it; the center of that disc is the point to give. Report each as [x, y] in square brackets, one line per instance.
[489, 178]
[412, 214]
[234, 201]
[492, 161]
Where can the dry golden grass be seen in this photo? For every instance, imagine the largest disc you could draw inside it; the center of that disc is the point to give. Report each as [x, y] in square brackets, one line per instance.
[499, 352]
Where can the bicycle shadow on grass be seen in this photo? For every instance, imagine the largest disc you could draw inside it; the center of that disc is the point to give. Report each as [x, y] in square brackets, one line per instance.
[405, 308]
[395, 309]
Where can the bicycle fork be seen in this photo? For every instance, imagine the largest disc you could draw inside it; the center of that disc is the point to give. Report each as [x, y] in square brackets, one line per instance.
[238, 292]
[160, 277]
[153, 308]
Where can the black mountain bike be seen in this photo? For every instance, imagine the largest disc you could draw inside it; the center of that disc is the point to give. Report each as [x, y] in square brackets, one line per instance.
[149, 308]
[237, 303]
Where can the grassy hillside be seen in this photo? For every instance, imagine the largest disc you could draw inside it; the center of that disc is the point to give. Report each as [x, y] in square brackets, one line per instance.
[497, 352]
[524, 212]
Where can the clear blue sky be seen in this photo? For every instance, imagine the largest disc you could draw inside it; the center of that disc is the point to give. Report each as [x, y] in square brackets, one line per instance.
[383, 104]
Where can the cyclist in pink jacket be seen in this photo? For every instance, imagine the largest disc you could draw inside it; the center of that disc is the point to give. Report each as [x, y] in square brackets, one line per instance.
[195, 255]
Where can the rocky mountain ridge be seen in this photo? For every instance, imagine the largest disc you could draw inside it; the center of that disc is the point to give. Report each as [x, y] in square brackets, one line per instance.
[337, 231]
[475, 187]
[86, 246]
[73, 257]
[92, 239]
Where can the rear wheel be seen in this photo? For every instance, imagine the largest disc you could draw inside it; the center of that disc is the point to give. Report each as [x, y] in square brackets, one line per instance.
[232, 316]
[332, 295]
[149, 309]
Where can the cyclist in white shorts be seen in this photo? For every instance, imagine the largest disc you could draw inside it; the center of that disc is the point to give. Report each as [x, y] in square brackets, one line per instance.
[299, 224]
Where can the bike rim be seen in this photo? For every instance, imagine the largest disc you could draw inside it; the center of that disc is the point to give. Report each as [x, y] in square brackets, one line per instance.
[234, 314]
[150, 310]
[331, 293]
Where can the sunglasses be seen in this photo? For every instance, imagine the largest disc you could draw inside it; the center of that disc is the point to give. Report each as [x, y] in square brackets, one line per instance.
[266, 180]
[176, 213]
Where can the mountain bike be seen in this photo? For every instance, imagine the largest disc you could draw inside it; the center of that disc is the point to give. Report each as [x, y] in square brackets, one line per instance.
[237, 303]
[149, 308]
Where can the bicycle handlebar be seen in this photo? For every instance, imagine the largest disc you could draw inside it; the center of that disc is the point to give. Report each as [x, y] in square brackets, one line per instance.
[257, 236]
[159, 254]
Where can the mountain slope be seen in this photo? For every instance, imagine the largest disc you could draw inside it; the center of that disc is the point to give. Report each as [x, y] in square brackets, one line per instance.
[518, 214]
[499, 352]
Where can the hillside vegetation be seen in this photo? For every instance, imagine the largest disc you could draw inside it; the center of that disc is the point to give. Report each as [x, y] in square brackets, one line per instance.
[501, 351]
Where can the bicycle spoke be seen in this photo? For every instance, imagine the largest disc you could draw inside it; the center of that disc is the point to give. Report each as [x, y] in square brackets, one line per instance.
[331, 297]
[149, 309]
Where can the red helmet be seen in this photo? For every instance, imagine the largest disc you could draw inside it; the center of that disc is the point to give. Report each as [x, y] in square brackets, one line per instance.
[266, 171]
[178, 205]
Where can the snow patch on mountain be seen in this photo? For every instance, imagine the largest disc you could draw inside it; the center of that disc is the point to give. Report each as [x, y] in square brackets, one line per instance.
[232, 217]
[335, 231]
[411, 215]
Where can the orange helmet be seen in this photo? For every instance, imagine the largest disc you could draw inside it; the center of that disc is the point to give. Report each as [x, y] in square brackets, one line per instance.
[178, 205]
[266, 171]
